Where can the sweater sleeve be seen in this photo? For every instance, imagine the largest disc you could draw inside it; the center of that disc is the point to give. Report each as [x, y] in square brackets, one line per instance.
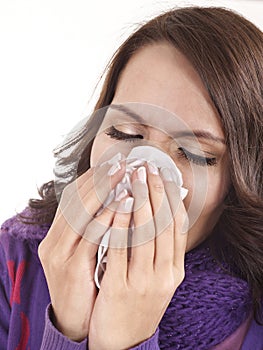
[149, 344]
[54, 340]
[4, 302]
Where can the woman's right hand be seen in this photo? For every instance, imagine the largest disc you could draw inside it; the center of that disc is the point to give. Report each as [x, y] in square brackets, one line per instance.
[68, 253]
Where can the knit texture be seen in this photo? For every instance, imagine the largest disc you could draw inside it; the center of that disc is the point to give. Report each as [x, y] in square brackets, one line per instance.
[52, 339]
[206, 308]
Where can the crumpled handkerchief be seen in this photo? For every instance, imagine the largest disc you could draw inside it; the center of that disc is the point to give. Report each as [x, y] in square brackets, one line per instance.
[135, 159]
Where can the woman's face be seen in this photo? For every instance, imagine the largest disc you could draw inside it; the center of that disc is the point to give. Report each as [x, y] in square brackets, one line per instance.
[159, 75]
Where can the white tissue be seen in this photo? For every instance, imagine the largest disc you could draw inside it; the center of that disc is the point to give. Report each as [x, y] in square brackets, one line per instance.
[135, 159]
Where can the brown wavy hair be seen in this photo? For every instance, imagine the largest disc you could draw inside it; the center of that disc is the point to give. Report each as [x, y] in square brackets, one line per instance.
[227, 52]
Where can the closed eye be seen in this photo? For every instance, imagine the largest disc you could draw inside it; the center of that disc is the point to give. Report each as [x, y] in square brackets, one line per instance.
[181, 152]
[194, 158]
[119, 135]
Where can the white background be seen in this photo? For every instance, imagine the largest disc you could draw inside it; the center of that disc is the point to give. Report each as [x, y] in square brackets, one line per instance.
[53, 53]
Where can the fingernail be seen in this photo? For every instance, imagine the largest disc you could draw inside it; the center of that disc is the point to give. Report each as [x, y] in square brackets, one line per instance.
[141, 172]
[126, 205]
[166, 173]
[118, 189]
[152, 168]
[114, 169]
[121, 195]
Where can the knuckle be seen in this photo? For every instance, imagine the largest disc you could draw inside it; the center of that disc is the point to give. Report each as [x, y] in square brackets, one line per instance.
[168, 288]
[168, 283]
[142, 290]
[55, 262]
[93, 233]
[165, 260]
[140, 287]
[143, 233]
[103, 219]
[168, 226]
[119, 244]
[139, 190]
[158, 187]
[116, 292]
[179, 276]
[164, 226]
[179, 223]
[41, 251]
[108, 211]
[121, 223]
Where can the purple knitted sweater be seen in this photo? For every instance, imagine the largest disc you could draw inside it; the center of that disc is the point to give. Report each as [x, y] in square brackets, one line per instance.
[209, 310]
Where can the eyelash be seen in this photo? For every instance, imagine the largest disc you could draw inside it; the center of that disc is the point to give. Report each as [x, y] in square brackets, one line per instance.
[119, 135]
[182, 152]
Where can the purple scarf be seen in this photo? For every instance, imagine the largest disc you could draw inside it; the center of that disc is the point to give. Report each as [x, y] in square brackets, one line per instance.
[209, 305]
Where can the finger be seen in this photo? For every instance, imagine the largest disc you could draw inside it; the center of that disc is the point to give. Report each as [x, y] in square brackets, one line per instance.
[87, 175]
[88, 246]
[179, 217]
[68, 243]
[100, 224]
[117, 256]
[143, 246]
[90, 202]
[163, 221]
[72, 187]
[74, 210]
[111, 173]
[70, 190]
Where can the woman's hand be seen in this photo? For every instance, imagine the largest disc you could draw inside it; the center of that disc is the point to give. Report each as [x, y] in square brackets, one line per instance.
[135, 292]
[68, 252]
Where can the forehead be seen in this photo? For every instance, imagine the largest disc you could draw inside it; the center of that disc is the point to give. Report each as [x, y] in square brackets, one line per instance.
[160, 75]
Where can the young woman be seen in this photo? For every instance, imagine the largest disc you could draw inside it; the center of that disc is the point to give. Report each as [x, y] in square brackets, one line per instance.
[196, 286]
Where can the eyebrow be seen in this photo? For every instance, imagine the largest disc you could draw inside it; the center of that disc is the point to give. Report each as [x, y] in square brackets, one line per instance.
[196, 133]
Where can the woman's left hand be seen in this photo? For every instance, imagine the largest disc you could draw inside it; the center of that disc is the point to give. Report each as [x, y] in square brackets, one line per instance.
[135, 292]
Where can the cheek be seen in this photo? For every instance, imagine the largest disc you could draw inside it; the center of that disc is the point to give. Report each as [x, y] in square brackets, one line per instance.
[96, 151]
[217, 191]
[207, 192]
[102, 150]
